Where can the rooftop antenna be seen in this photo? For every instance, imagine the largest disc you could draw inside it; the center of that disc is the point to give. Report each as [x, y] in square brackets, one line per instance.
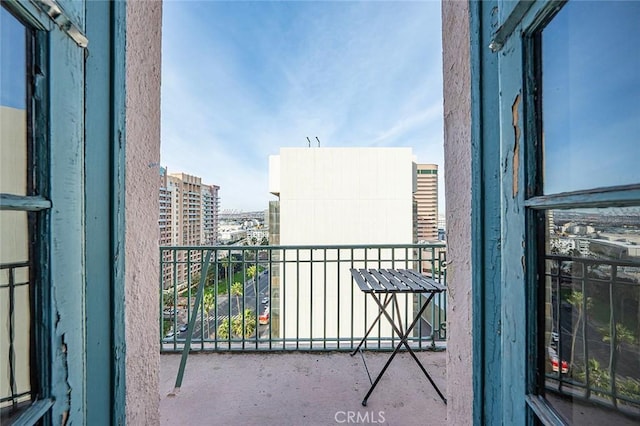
[318, 141]
[309, 140]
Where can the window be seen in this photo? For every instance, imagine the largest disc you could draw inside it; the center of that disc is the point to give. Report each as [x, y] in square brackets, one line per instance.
[555, 119]
[20, 363]
[42, 315]
[585, 213]
[427, 172]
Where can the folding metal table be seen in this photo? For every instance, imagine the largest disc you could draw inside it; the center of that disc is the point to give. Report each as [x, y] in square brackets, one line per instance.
[390, 283]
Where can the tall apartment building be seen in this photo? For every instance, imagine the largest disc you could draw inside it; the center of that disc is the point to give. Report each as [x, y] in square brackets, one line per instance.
[426, 197]
[188, 217]
[210, 208]
[336, 196]
[165, 219]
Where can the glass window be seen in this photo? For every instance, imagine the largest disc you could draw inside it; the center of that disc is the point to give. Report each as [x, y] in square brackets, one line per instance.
[592, 313]
[15, 230]
[591, 92]
[589, 257]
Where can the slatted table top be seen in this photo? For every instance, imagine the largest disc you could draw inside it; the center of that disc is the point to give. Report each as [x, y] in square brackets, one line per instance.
[394, 281]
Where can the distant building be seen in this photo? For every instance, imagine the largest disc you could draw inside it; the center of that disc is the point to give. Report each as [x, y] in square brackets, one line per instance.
[230, 233]
[336, 196]
[188, 217]
[210, 208]
[426, 197]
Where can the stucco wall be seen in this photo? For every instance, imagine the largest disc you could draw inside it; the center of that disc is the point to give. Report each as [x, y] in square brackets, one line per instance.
[457, 153]
[144, 21]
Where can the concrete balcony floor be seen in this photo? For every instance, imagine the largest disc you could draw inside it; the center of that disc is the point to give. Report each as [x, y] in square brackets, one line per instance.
[301, 388]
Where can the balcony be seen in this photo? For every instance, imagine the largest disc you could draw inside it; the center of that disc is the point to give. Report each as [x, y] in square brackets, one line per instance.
[300, 388]
[274, 329]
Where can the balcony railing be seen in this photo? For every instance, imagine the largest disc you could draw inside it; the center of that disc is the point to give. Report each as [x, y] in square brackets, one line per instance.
[290, 297]
[592, 322]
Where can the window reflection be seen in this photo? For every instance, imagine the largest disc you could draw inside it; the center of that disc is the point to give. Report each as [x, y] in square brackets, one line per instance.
[591, 96]
[13, 111]
[592, 313]
[15, 270]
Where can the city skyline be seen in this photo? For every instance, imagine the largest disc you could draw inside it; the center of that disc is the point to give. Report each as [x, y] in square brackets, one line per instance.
[241, 80]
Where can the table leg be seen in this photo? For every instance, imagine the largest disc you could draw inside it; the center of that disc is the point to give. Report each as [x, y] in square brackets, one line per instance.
[387, 299]
[403, 341]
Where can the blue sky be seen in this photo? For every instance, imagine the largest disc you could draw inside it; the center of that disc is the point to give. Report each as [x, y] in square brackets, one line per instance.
[12, 51]
[591, 96]
[242, 79]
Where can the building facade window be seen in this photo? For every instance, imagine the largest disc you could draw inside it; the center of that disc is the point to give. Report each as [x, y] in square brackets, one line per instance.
[586, 212]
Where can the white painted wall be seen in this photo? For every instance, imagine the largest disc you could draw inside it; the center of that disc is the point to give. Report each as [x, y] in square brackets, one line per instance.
[339, 196]
[144, 22]
[457, 153]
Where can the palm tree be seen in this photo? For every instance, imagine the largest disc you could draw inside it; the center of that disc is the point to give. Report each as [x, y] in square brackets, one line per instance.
[249, 324]
[226, 262]
[251, 271]
[237, 290]
[208, 301]
[223, 329]
[576, 298]
[623, 335]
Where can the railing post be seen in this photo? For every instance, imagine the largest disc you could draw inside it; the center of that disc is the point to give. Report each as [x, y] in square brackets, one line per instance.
[192, 323]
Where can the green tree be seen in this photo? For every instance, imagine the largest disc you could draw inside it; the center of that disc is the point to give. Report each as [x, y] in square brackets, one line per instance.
[264, 242]
[249, 324]
[167, 299]
[223, 329]
[576, 299]
[251, 271]
[623, 335]
[225, 262]
[208, 301]
[237, 290]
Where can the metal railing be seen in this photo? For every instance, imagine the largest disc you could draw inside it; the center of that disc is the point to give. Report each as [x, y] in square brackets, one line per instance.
[290, 297]
[15, 335]
[593, 330]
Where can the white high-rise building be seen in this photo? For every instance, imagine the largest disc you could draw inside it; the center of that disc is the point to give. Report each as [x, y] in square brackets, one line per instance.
[339, 196]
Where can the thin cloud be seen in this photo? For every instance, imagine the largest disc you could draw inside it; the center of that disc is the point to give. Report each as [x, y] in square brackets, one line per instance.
[241, 80]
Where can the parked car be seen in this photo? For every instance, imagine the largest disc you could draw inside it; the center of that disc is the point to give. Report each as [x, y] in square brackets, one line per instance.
[169, 313]
[556, 365]
[184, 328]
[264, 317]
[265, 300]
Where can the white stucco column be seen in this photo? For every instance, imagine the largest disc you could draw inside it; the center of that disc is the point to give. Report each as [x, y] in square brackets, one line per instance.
[457, 153]
[143, 52]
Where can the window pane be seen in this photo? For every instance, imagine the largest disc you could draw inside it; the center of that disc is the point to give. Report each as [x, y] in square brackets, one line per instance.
[13, 111]
[15, 310]
[591, 96]
[592, 314]
[15, 227]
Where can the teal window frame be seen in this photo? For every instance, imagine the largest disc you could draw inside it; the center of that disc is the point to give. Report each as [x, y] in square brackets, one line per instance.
[80, 129]
[506, 166]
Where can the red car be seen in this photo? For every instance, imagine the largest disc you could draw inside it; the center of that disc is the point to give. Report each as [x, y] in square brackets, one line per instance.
[264, 317]
[556, 365]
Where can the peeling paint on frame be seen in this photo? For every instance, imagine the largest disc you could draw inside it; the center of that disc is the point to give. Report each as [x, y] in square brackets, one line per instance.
[516, 143]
